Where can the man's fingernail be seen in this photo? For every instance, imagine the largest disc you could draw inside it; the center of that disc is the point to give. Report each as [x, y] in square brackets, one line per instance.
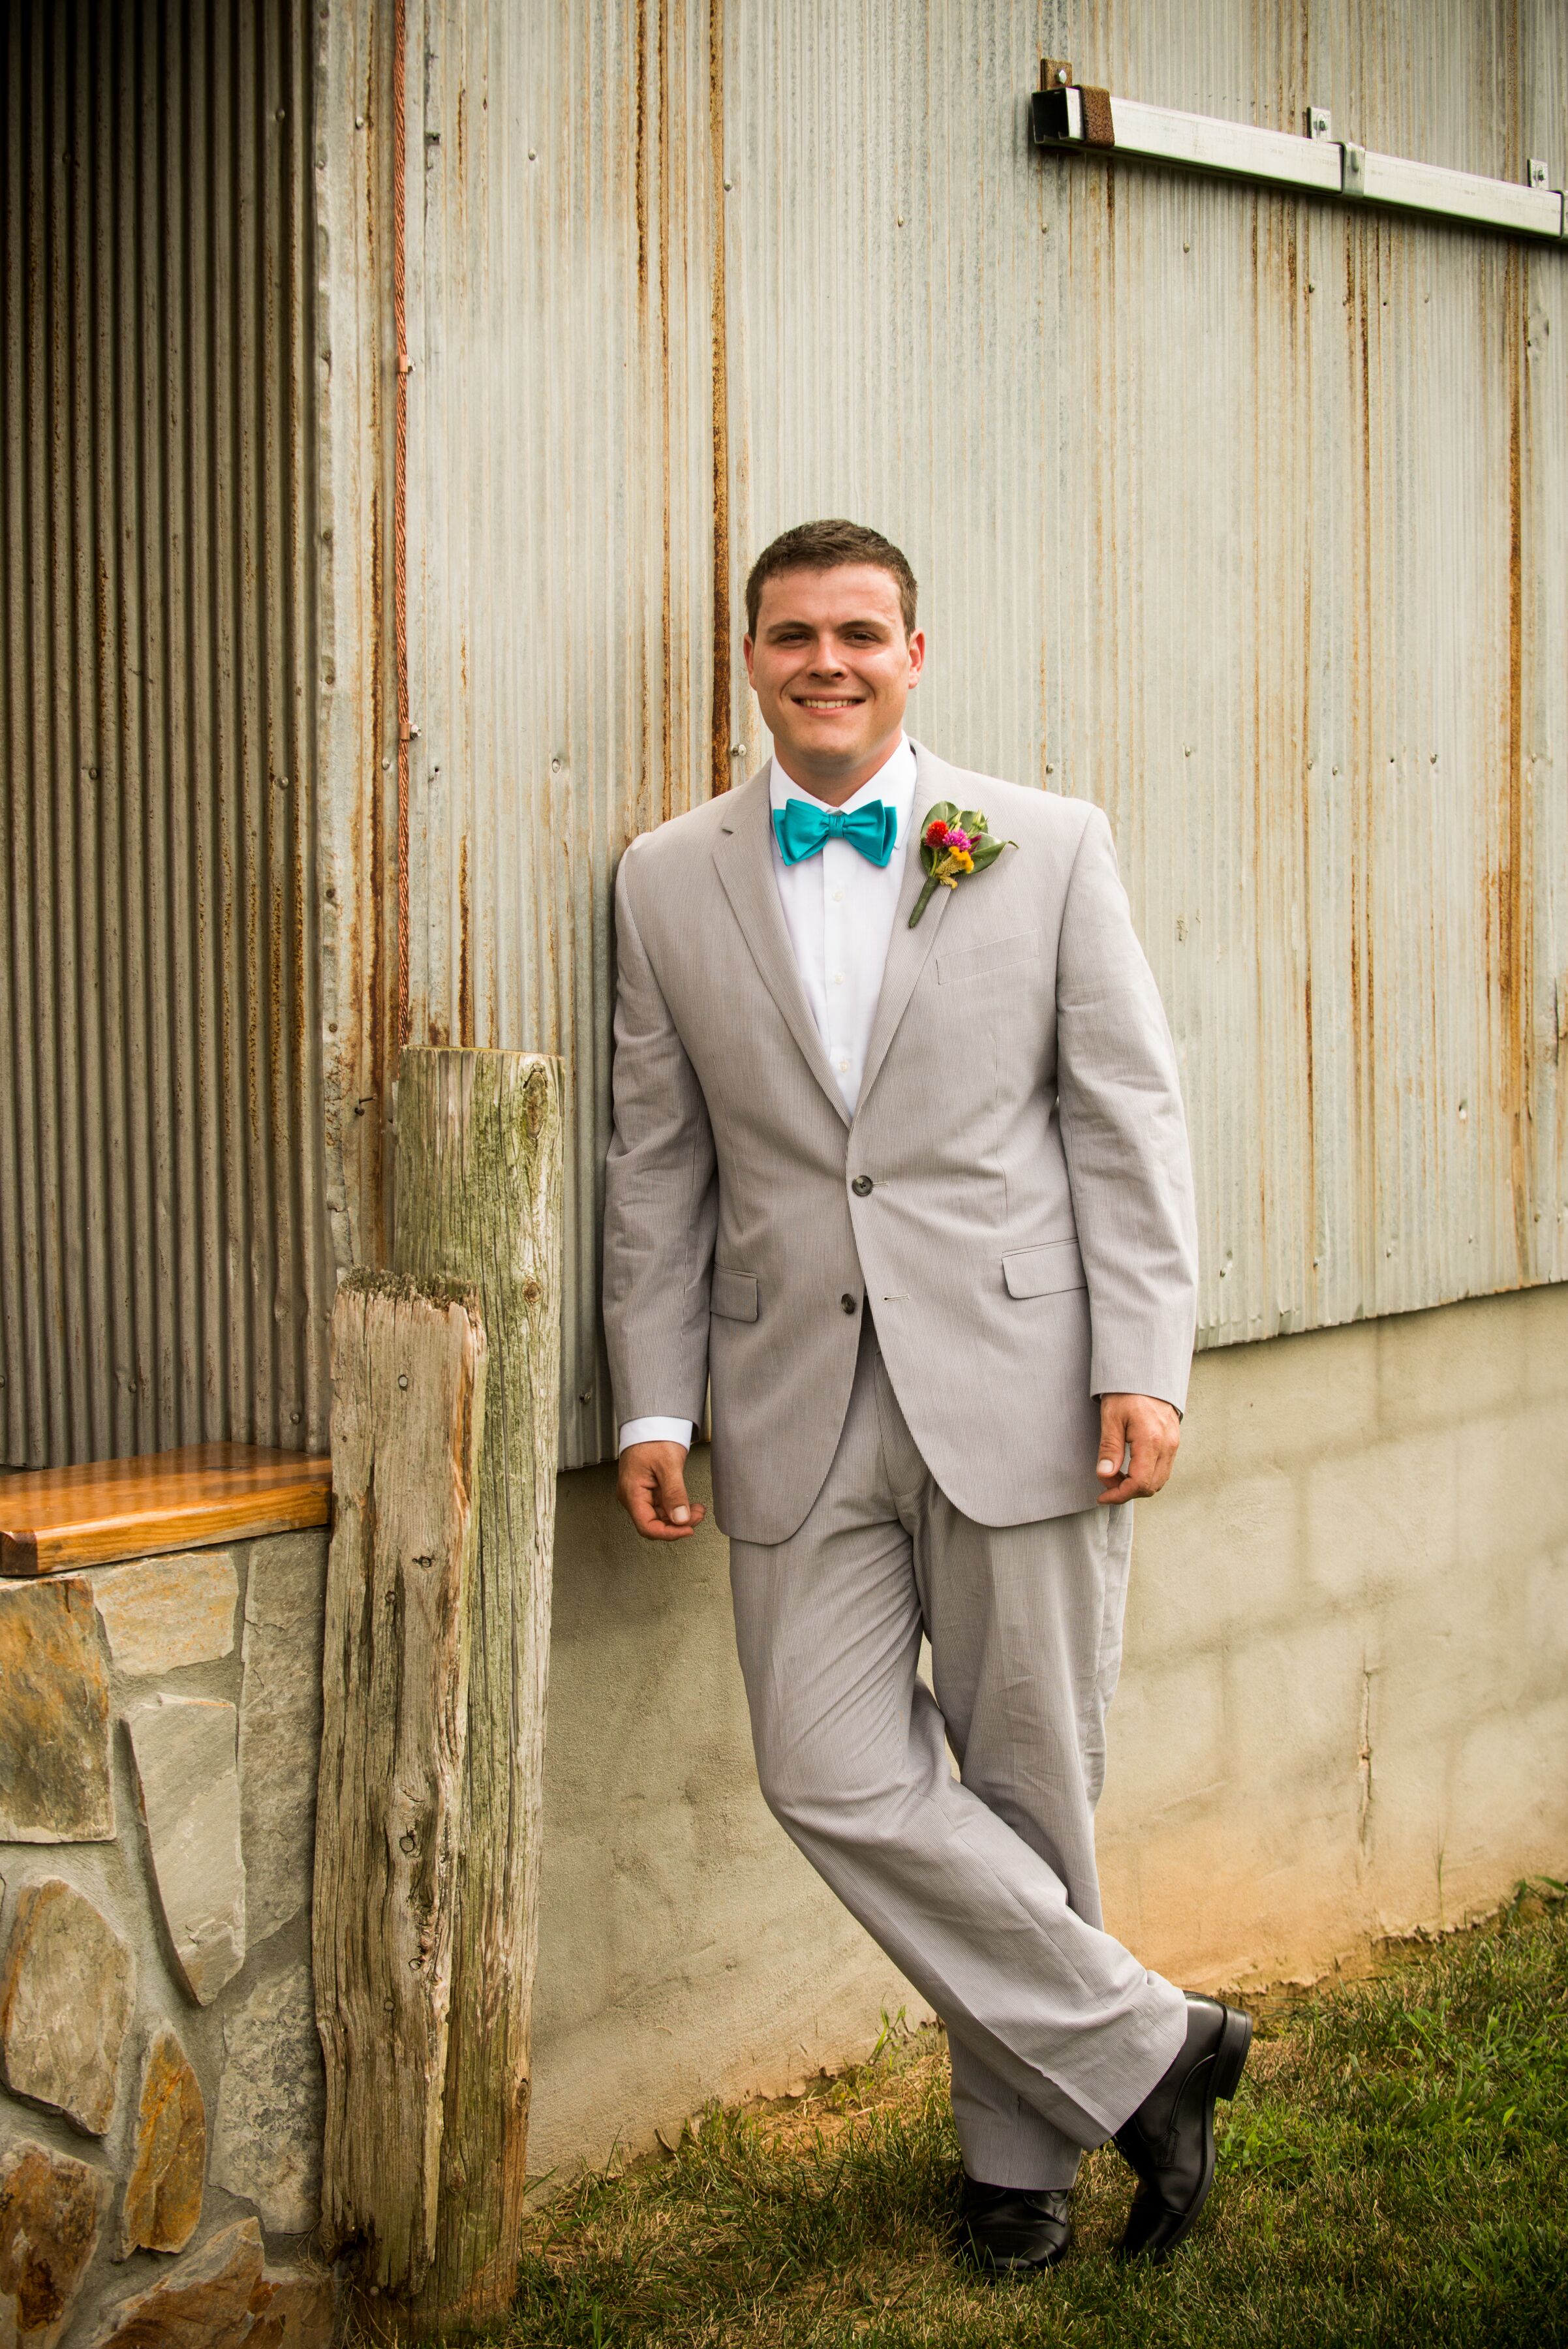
[1107, 1468]
[680, 1516]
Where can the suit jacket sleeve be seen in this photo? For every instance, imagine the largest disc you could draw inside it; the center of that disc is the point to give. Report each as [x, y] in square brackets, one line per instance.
[660, 1197]
[1124, 1136]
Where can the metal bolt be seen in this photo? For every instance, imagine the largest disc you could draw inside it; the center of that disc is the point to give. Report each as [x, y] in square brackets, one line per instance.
[1062, 76]
[408, 1843]
[403, 1378]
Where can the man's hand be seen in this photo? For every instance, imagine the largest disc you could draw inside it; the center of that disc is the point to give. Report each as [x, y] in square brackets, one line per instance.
[651, 1489]
[1150, 1429]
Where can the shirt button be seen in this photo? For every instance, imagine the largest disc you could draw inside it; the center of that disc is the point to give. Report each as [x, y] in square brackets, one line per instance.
[838, 896]
[838, 978]
[862, 1186]
[844, 1068]
[847, 1303]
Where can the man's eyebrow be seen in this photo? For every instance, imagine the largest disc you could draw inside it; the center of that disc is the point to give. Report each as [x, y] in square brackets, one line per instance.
[862, 620]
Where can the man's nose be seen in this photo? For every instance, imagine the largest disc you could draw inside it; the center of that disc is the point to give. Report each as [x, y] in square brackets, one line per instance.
[826, 660]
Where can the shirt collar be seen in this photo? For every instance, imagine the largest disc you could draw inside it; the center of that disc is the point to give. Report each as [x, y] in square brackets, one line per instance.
[893, 781]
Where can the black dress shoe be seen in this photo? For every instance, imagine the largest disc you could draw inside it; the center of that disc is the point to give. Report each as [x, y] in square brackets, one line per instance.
[1010, 2230]
[1170, 2140]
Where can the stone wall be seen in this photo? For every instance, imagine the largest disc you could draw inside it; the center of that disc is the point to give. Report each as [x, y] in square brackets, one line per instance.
[1344, 1711]
[159, 2071]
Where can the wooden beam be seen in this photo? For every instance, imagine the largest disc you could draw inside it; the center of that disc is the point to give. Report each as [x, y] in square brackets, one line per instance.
[478, 1198]
[408, 1415]
[52, 1519]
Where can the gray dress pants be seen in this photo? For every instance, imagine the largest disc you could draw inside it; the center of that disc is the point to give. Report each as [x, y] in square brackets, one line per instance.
[980, 1888]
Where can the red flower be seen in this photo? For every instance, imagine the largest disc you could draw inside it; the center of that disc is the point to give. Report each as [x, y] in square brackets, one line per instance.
[936, 834]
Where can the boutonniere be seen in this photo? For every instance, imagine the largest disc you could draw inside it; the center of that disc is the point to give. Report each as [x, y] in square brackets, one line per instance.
[951, 845]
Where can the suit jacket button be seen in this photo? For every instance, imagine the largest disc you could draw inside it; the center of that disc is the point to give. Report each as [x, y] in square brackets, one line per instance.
[847, 1303]
[862, 1186]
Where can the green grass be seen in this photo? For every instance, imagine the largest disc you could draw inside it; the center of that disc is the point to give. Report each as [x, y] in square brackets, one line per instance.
[1395, 2170]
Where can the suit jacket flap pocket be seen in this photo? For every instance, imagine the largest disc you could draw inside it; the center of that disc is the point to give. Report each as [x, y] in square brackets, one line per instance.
[734, 1296]
[1042, 1271]
[996, 953]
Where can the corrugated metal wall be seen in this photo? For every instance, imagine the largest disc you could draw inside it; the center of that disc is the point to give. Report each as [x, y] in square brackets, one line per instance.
[1242, 514]
[162, 1260]
[1239, 512]
[562, 489]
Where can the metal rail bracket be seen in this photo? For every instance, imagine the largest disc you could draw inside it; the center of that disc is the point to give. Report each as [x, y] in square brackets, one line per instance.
[1068, 114]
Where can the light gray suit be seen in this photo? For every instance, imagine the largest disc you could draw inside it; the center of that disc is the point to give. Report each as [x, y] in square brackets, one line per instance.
[907, 1316]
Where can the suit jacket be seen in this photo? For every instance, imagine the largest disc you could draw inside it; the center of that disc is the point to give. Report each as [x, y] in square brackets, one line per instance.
[1013, 1198]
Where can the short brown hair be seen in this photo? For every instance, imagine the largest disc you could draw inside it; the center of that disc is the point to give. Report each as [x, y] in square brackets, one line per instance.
[824, 546]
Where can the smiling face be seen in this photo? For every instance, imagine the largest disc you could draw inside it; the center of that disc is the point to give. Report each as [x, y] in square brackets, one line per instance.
[832, 671]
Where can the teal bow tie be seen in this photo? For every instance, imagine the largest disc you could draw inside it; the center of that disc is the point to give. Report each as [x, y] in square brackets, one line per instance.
[801, 827]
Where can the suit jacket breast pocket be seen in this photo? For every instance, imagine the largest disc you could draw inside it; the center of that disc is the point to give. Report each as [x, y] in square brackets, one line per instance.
[733, 1296]
[996, 953]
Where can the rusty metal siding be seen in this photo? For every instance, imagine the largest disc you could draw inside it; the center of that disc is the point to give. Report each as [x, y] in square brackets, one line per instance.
[560, 517]
[162, 1266]
[1233, 510]
[1240, 515]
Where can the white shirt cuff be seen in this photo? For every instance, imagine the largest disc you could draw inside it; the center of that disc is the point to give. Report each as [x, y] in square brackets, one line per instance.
[655, 1431]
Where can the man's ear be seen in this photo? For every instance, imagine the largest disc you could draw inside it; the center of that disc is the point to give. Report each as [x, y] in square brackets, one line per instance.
[746, 649]
[916, 656]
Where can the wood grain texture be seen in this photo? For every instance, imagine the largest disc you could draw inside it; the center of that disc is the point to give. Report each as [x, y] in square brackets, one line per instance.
[479, 1199]
[408, 1411]
[54, 1519]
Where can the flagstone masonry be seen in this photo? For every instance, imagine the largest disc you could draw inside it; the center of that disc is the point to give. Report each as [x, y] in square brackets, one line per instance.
[160, 1723]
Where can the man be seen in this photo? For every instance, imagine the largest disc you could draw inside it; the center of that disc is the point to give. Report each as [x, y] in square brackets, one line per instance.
[914, 1194]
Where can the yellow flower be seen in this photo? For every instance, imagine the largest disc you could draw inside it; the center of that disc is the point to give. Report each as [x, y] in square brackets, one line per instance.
[962, 860]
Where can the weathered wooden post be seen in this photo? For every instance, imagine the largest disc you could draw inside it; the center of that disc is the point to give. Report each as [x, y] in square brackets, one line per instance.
[408, 1415]
[478, 1200]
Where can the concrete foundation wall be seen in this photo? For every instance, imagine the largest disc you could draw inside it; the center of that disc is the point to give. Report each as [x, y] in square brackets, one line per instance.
[1344, 1711]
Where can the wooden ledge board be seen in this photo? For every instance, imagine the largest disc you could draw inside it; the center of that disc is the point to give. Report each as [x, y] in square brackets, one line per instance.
[54, 1519]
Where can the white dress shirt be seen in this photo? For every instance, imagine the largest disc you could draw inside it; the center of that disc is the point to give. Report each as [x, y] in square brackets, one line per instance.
[839, 910]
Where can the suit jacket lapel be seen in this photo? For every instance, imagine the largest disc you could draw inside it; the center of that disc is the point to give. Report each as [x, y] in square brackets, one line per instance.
[907, 949]
[743, 858]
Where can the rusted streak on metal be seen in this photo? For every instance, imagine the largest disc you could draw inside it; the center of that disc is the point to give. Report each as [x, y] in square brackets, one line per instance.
[673, 139]
[719, 722]
[1514, 958]
[401, 492]
[464, 951]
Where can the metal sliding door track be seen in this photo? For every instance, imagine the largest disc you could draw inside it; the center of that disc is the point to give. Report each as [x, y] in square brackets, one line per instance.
[1069, 115]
